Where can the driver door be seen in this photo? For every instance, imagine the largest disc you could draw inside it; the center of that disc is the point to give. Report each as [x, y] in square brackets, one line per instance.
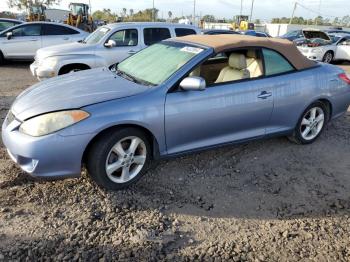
[343, 50]
[25, 41]
[217, 115]
[127, 43]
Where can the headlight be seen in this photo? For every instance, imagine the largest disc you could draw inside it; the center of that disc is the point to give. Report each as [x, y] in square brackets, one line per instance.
[315, 50]
[52, 122]
[48, 62]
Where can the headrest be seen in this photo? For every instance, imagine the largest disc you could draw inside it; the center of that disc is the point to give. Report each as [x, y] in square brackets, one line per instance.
[237, 61]
[251, 53]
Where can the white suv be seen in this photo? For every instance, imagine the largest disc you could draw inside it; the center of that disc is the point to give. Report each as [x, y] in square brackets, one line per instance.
[108, 45]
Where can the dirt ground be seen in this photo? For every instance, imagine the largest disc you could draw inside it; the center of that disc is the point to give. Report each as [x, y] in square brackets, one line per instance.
[262, 201]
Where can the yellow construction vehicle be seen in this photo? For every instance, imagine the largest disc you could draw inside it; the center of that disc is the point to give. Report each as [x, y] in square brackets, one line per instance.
[36, 12]
[241, 23]
[79, 17]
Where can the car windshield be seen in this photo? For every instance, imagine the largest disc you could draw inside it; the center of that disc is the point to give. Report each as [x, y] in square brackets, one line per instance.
[157, 63]
[291, 34]
[335, 38]
[96, 36]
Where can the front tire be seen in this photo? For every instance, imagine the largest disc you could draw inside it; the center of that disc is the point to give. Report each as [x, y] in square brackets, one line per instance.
[311, 124]
[119, 158]
[328, 57]
[2, 59]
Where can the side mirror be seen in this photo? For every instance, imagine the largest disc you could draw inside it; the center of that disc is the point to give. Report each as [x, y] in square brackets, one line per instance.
[111, 43]
[9, 35]
[194, 83]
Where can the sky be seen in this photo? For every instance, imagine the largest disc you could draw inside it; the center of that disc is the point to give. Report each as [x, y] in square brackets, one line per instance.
[263, 9]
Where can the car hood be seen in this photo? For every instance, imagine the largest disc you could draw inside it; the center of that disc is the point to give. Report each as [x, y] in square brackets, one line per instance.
[73, 91]
[65, 49]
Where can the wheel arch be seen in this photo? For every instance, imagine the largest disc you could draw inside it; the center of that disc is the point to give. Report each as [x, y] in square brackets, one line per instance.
[324, 100]
[328, 104]
[151, 138]
[329, 51]
[67, 67]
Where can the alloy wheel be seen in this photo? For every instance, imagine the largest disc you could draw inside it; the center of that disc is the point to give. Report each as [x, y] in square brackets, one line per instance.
[312, 123]
[328, 58]
[126, 159]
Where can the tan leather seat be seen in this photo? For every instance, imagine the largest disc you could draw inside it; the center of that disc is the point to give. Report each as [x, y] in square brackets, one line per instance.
[254, 65]
[236, 69]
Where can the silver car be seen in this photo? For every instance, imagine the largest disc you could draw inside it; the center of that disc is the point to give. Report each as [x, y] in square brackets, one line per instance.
[108, 45]
[22, 41]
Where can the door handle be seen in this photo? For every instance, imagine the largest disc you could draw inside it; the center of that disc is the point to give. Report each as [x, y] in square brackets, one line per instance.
[33, 40]
[264, 95]
[65, 38]
[131, 52]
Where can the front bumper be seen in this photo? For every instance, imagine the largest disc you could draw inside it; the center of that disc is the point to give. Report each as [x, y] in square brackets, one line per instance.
[52, 156]
[313, 56]
[42, 73]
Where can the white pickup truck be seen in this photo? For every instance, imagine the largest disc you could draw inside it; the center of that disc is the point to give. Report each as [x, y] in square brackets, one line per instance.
[108, 45]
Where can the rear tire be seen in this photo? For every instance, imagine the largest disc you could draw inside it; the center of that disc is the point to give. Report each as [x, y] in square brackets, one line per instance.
[119, 158]
[311, 124]
[328, 57]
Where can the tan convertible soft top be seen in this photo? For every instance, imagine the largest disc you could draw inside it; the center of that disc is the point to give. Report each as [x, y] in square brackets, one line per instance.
[222, 43]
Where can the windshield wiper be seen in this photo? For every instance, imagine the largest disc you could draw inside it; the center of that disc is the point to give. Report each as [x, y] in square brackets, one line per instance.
[132, 78]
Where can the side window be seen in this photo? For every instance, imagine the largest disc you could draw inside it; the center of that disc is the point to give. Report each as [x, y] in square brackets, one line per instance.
[232, 66]
[155, 35]
[127, 37]
[5, 25]
[184, 31]
[275, 63]
[58, 30]
[27, 30]
[345, 42]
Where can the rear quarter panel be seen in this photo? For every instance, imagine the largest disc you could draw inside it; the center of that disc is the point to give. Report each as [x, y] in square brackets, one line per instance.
[301, 89]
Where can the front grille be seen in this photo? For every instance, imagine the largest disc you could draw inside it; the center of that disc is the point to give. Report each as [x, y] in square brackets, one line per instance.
[10, 117]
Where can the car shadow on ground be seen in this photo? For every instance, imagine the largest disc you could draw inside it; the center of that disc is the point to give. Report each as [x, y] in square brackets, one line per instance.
[15, 64]
[55, 247]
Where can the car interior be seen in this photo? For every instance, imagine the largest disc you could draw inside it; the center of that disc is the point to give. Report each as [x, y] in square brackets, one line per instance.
[230, 66]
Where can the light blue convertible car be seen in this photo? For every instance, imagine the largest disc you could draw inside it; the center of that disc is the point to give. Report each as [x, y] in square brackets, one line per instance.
[174, 97]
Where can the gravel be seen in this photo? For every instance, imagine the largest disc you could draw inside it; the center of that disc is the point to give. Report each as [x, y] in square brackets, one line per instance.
[262, 201]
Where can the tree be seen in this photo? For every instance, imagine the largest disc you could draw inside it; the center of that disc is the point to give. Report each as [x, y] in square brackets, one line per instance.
[345, 20]
[5, 14]
[25, 4]
[105, 15]
[336, 21]
[142, 16]
[319, 20]
[131, 12]
[170, 14]
[257, 21]
[208, 18]
[124, 12]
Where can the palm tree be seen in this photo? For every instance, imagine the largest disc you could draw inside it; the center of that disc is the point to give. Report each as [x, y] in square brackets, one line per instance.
[170, 14]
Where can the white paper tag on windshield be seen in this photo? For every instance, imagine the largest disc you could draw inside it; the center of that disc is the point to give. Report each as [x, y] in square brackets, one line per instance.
[190, 49]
